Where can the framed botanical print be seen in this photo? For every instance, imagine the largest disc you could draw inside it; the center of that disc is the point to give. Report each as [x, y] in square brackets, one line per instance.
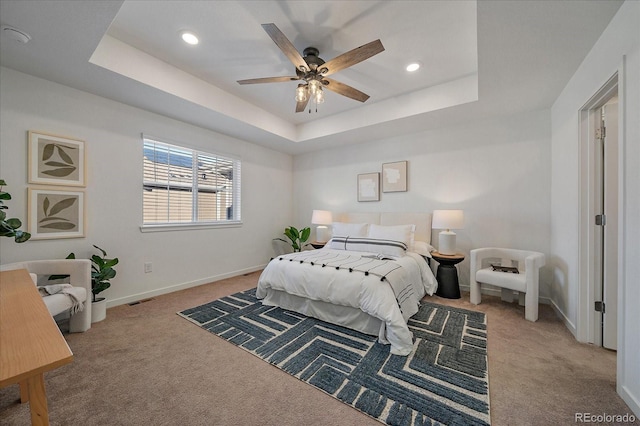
[369, 187]
[394, 177]
[55, 213]
[56, 160]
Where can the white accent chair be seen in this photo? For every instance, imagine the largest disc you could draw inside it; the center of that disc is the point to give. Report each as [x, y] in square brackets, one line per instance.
[79, 271]
[526, 281]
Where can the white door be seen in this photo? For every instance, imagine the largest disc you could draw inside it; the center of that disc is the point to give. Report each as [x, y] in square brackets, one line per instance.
[610, 237]
[597, 251]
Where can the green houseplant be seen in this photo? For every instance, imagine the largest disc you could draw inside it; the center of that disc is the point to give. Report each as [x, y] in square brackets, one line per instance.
[297, 238]
[101, 273]
[10, 227]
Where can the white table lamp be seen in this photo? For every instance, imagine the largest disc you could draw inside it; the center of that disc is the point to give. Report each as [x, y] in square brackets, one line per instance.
[447, 220]
[322, 218]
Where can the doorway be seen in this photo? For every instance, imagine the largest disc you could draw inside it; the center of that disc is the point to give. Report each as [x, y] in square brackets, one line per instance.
[606, 199]
[599, 217]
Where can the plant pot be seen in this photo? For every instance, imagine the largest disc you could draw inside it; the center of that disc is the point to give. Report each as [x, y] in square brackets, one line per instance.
[98, 309]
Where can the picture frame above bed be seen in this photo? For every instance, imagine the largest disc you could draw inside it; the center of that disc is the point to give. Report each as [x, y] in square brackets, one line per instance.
[394, 177]
[369, 187]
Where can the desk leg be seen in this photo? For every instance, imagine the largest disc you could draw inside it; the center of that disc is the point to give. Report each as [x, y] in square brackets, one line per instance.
[38, 400]
[24, 392]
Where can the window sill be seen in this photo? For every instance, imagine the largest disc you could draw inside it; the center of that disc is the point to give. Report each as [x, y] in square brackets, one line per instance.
[164, 227]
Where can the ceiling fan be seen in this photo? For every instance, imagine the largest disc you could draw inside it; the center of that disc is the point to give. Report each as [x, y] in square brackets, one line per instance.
[313, 70]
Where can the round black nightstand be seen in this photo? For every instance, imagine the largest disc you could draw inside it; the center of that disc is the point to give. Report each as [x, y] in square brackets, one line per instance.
[317, 244]
[447, 274]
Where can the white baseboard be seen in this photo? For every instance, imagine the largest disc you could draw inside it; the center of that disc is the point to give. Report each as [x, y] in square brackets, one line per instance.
[629, 399]
[567, 322]
[182, 286]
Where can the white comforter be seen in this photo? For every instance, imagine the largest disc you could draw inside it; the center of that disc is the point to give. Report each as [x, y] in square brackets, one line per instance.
[355, 289]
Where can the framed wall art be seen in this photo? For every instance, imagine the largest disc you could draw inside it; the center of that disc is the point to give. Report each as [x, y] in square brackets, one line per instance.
[369, 187]
[55, 213]
[394, 177]
[56, 160]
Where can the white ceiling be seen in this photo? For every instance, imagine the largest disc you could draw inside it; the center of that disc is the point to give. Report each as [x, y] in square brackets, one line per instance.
[234, 46]
[479, 60]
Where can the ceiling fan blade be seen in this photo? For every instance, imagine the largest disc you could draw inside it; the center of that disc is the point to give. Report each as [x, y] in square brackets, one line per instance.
[268, 80]
[301, 106]
[345, 90]
[286, 46]
[352, 57]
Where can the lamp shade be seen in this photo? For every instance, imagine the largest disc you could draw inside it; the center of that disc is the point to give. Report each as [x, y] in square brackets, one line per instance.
[321, 217]
[447, 219]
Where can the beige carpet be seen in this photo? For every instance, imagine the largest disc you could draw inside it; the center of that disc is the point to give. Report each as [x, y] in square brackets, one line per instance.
[146, 365]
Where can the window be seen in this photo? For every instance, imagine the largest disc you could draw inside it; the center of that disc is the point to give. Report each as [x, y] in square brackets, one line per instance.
[183, 186]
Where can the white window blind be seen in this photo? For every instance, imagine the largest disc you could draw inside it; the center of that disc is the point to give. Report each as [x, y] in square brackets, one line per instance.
[182, 186]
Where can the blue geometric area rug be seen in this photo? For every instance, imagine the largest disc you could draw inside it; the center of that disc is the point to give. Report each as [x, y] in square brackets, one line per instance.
[443, 381]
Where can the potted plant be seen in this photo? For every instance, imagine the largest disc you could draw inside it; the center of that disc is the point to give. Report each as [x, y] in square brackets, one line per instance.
[101, 272]
[297, 239]
[10, 227]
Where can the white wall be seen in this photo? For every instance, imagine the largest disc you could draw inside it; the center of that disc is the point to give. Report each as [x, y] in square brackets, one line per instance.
[112, 132]
[620, 40]
[497, 171]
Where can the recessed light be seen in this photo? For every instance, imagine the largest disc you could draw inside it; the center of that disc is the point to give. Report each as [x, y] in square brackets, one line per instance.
[189, 37]
[413, 67]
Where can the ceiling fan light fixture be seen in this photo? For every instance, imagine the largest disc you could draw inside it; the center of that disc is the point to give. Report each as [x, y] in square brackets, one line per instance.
[189, 37]
[412, 67]
[319, 96]
[301, 93]
[314, 85]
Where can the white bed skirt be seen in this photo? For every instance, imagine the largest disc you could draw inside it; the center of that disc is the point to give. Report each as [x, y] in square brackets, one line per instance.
[353, 318]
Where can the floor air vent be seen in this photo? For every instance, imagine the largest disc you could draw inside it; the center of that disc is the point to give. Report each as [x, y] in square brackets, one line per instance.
[140, 301]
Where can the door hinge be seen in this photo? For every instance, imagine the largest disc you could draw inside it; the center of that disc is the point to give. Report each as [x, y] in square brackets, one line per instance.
[601, 132]
[601, 219]
[599, 307]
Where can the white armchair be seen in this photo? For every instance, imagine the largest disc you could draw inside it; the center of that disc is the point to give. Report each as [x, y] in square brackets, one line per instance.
[526, 281]
[79, 271]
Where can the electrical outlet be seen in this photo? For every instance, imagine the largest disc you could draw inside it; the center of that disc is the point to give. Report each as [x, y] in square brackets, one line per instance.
[148, 267]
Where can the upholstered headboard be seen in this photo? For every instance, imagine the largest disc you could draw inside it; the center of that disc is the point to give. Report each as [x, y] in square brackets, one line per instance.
[421, 220]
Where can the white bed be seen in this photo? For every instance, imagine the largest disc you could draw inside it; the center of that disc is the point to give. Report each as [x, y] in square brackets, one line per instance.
[351, 287]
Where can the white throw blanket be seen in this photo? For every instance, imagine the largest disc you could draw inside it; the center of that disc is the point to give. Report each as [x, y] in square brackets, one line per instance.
[74, 293]
[380, 266]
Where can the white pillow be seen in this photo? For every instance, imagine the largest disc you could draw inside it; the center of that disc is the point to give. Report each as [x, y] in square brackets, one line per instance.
[403, 233]
[342, 229]
[423, 248]
[372, 245]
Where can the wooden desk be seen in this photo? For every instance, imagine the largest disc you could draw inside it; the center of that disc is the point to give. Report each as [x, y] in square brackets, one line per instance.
[30, 342]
